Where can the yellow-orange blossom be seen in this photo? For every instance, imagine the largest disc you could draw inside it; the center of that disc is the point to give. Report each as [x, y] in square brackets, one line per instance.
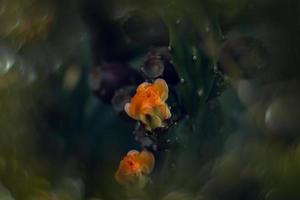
[148, 104]
[135, 166]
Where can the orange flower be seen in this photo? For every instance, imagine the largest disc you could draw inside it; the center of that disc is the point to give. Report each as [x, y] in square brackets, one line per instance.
[134, 167]
[148, 104]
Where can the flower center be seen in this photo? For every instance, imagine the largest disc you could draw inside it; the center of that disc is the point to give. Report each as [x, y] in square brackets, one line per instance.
[133, 165]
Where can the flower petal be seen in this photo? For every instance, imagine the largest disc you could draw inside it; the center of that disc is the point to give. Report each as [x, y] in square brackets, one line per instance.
[143, 86]
[147, 160]
[127, 110]
[119, 176]
[125, 176]
[164, 111]
[162, 88]
[132, 152]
